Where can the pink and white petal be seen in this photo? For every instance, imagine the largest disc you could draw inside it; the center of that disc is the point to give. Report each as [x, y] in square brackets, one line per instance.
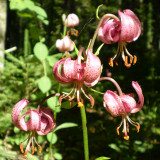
[48, 123]
[110, 32]
[93, 67]
[33, 123]
[17, 109]
[113, 103]
[91, 84]
[140, 103]
[127, 27]
[69, 68]
[60, 77]
[136, 21]
[129, 103]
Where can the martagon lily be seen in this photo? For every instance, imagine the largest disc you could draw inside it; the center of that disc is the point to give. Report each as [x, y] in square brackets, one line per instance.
[41, 121]
[123, 104]
[127, 29]
[80, 73]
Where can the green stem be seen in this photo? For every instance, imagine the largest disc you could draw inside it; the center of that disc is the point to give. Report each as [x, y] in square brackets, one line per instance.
[64, 30]
[50, 146]
[85, 133]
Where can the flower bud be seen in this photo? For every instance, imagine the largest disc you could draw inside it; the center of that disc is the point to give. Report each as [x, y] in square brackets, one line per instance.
[65, 44]
[71, 20]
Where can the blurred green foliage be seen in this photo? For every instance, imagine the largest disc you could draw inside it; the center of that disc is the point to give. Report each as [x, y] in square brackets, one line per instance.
[34, 26]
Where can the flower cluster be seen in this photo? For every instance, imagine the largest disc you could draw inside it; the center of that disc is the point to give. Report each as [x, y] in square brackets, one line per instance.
[87, 73]
[41, 121]
[84, 71]
[128, 29]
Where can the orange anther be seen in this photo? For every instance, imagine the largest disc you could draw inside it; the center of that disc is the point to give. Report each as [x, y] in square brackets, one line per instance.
[32, 148]
[21, 147]
[40, 149]
[126, 62]
[111, 62]
[118, 130]
[135, 60]
[138, 127]
[68, 33]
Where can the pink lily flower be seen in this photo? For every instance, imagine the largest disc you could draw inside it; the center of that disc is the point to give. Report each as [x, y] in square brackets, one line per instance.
[122, 105]
[71, 20]
[40, 121]
[65, 44]
[87, 73]
[128, 29]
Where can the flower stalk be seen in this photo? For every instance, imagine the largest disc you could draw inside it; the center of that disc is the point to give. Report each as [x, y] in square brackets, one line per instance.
[85, 132]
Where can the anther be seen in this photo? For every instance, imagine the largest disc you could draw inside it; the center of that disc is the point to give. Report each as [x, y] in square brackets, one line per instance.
[67, 33]
[32, 148]
[135, 60]
[111, 62]
[21, 147]
[40, 149]
[138, 127]
[118, 130]
[126, 62]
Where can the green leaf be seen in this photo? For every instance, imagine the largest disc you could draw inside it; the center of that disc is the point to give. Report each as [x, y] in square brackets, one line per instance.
[57, 156]
[98, 50]
[40, 11]
[115, 147]
[40, 51]
[16, 130]
[44, 84]
[66, 105]
[52, 60]
[65, 125]
[102, 158]
[52, 102]
[52, 137]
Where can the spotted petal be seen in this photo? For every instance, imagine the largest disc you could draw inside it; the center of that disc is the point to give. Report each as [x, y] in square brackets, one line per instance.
[17, 109]
[92, 69]
[113, 104]
[47, 121]
[33, 123]
[140, 103]
[130, 26]
[60, 77]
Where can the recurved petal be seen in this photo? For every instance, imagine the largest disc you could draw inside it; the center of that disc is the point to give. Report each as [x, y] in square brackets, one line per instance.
[140, 103]
[60, 77]
[137, 23]
[111, 31]
[129, 102]
[113, 103]
[17, 109]
[93, 67]
[48, 123]
[127, 27]
[69, 68]
[33, 124]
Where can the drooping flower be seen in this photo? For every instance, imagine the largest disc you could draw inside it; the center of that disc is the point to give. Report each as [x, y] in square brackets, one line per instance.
[81, 73]
[72, 20]
[65, 44]
[121, 105]
[128, 29]
[40, 121]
